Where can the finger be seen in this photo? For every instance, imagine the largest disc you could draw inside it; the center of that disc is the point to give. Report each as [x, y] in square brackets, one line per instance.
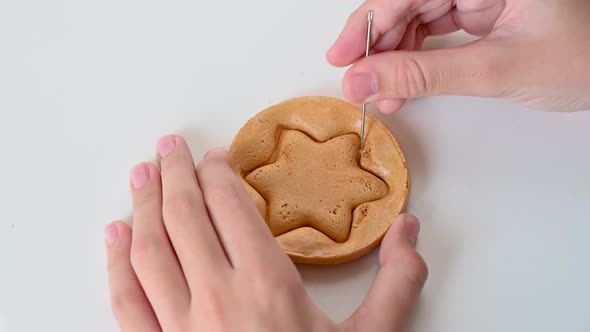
[412, 40]
[398, 39]
[415, 34]
[404, 36]
[130, 305]
[390, 39]
[389, 106]
[185, 215]
[478, 17]
[351, 43]
[443, 25]
[394, 294]
[152, 257]
[476, 69]
[240, 226]
[432, 10]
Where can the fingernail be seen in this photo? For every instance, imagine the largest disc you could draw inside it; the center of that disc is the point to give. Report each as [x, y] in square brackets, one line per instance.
[140, 175]
[165, 145]
[111, 234]
[362, 86]
[411, 229]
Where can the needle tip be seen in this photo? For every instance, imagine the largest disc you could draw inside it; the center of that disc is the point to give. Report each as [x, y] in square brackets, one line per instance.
[370, 18]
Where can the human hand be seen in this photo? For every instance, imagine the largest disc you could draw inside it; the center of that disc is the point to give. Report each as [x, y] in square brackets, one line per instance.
[201, 258]
[533, 52]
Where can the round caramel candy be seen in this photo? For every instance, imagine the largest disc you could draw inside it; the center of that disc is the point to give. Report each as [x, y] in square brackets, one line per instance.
[299, 161]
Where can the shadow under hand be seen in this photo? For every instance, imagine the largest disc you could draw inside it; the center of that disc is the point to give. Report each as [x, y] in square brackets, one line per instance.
[339, 289]
[330, 274]
[438, 251]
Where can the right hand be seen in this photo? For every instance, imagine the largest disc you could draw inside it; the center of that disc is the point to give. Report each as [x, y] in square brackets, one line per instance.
[533, 52]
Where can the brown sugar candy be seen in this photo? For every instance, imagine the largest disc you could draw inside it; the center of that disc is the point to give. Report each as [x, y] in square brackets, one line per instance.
[299, 162]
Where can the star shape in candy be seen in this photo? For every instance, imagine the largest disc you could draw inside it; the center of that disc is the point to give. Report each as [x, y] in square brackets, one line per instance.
[315, 184]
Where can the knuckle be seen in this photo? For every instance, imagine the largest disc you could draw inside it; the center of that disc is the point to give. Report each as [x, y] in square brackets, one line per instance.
[418, 3]
[213, 159]
[268, 281]
[220, 195]
[176, 163]
[113, 264]
[271, 289]
[492, 73]
[144, 250]
[262, 279]
[210, 303]
[411, 79]
[146, 198]
[414, 268]
[291, 287]
[218, 154]
[205, 164]
[177, 206]
[124, 300]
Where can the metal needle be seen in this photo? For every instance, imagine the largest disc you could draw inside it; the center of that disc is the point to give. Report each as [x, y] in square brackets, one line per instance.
[369, 26]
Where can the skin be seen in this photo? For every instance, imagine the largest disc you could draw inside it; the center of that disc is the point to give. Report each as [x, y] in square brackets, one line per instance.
[200, 257]
[532, 52]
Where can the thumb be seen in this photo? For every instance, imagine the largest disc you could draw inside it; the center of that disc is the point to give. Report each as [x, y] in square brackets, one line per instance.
[475, 69]
[394, 293]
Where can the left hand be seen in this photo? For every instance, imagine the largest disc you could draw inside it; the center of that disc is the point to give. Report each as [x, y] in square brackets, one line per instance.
[201, 258]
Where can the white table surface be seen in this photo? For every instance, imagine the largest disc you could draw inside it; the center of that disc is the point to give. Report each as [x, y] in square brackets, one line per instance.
[87, 87]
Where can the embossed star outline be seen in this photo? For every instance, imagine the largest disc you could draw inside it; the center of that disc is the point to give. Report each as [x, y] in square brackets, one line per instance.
[315, 184]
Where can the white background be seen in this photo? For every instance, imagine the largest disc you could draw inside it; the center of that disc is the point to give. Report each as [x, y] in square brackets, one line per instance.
[87, 87]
